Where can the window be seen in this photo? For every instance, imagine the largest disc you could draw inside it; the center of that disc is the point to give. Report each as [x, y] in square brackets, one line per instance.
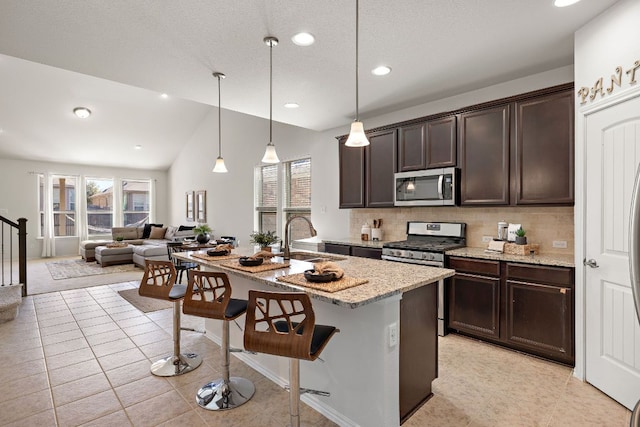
[99, 206]
[267, 197]
[284, 198]
[297, 191]
[63, 199]
[135, 202]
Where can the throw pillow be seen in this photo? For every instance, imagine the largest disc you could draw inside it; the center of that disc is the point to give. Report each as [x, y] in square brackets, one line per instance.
[171, 231]
[157, 232]
[147, 230]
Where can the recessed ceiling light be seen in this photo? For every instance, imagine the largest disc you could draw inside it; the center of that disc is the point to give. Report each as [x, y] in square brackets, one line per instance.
[164, 96]
[291, 105]
[82, 112]
[138, 147]
[564, 3]
[303, 39]
[382, 70]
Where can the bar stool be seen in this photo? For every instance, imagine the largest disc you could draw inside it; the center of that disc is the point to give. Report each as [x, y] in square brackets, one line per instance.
[181, 266]
[209, 295]
[159, 281]
[283, 324]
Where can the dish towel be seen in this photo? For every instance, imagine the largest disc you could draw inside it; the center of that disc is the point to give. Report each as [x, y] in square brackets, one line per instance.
[328, 267]
[496, 246]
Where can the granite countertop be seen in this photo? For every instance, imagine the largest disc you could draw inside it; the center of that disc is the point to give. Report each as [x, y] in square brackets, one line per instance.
[356, 242]
[549, 259]
[386, 278]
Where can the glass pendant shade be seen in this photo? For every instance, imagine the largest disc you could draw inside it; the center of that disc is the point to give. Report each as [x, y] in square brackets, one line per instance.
[270, 155]
[357, 137]
[220, 167]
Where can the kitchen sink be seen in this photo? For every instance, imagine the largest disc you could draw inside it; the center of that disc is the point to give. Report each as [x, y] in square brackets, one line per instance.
[313, 257]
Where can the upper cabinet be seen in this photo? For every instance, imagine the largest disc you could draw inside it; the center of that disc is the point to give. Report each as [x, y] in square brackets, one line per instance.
[484, 157]
[544, 146]
[366, 173]
[427, 145]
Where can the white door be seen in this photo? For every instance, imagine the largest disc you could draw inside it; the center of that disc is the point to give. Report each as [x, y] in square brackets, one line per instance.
[612, 331]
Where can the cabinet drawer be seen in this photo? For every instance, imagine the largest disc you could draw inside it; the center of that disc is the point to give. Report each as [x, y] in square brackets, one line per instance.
[360, 251]
[468, 265]
[333, 248]
[541, 274]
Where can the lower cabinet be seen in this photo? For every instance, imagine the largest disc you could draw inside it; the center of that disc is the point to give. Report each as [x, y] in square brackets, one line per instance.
[333, 248]
[523, 306]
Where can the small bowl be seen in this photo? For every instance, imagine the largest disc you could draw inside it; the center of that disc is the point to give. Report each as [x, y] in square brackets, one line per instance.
[250, 262]
[213, 252]
[311, 276]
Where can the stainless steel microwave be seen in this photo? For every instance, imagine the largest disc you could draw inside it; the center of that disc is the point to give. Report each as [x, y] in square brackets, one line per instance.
[432, 187]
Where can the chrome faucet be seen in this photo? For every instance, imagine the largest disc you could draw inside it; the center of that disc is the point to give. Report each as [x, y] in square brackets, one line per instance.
[287, 254]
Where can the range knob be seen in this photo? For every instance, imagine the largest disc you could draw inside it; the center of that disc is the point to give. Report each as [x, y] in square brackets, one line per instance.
[409, 254]
[428, 256]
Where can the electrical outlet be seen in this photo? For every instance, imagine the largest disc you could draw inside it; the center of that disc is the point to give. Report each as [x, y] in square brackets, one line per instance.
[562, 244]
[487, 239]
[393, 335]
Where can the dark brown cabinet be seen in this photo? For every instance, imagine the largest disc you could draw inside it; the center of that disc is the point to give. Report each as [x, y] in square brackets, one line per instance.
[380, 159]
[544, 147]
[352, 184]
[523, 306]
[427, 145]
[366, 173]
[360, 251]
[484, 156]
[539, 310]
[474, 297]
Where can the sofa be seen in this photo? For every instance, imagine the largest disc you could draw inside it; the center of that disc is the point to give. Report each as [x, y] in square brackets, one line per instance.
[147, 242]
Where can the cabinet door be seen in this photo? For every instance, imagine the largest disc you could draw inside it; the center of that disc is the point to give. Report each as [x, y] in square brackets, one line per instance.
[544, 166]
[539, 319]
[474, 305]
[363, 252]
[412, 148]
[484, 146]
[351, 166]
[380, 167]
[441, 142]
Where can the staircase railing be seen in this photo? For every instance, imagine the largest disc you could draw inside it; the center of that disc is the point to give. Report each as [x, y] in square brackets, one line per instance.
[7, 263]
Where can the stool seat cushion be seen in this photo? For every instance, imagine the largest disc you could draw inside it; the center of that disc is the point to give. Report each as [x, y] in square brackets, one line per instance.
[177, 291]
[321, 333]
[235, 308]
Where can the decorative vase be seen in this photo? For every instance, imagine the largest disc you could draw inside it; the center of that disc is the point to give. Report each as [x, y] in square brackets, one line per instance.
[521, 240]
[203, 238]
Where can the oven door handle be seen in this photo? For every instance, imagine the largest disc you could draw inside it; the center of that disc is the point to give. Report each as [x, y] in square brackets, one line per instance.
[440, 186]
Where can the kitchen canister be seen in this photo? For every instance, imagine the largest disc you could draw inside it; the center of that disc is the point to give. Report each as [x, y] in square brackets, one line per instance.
[365, 232]
[502, 230]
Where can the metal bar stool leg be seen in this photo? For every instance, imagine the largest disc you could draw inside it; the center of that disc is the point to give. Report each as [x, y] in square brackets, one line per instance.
[226, 392]
[294, 392]
[176, 364]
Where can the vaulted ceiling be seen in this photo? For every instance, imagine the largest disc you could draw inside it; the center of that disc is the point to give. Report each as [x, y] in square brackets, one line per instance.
[117, 56]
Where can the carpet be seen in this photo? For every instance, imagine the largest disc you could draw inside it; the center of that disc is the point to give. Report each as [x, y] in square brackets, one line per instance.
[79, 268]
[144, 304]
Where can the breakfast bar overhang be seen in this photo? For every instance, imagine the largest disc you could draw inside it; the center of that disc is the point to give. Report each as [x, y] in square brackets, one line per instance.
[386, 348]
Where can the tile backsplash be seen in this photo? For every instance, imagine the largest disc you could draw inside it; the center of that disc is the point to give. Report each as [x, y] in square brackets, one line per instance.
[543, 225]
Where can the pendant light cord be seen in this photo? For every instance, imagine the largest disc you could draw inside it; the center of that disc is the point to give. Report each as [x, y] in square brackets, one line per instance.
[357, 70]
[219, 122]
[270, 92]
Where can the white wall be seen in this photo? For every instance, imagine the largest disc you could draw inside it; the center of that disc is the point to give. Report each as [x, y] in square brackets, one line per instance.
[19, 195]
[608, 41]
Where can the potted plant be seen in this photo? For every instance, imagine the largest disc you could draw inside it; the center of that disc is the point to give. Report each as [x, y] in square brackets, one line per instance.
[264, 239]
[521, 239]
[202, 233]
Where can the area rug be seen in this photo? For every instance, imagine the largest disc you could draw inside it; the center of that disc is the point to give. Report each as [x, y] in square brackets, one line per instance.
[144, 304]
[69, 269]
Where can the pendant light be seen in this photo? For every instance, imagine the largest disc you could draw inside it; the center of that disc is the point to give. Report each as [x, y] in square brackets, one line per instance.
[357, 137]
[270, 155]
[219, 167]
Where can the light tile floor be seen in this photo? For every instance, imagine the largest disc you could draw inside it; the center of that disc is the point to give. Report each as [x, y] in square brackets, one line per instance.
[82, 357]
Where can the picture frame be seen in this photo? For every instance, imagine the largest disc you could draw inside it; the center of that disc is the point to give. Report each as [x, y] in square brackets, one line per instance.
[201, 206]
[190, 205]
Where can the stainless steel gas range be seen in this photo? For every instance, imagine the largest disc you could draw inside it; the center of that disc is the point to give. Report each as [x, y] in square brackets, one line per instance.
[426, 244]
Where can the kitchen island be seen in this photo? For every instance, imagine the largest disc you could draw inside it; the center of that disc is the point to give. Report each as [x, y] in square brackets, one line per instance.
[379, 368]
